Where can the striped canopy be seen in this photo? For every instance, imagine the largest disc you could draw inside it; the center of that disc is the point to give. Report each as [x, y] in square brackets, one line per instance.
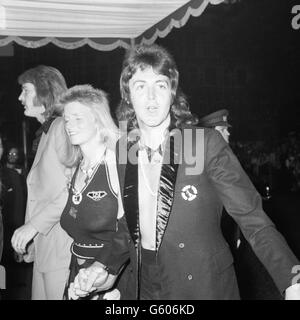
[102, 24]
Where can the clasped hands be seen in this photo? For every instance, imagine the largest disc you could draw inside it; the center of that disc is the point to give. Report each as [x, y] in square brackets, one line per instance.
[93, 278]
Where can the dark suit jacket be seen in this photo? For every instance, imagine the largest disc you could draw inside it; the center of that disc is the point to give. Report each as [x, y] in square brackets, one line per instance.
[195, 258]
[13, 210]
[1, 234]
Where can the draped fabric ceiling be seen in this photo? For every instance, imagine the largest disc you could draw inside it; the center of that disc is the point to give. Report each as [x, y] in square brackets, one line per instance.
[102, 24]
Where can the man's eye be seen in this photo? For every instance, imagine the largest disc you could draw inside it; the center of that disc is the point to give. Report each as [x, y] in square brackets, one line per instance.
[162, 86]
[139, 87]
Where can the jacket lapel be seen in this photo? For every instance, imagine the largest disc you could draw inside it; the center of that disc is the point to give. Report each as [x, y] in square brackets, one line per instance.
[166, 188]
[40, 150]
[167, 183]
[130, 196]
[43, 140]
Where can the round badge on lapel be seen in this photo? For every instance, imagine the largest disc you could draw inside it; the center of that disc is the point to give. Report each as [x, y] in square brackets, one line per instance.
[189, 192]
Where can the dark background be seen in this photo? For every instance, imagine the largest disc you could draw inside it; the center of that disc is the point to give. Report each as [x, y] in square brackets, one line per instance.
[243, 56]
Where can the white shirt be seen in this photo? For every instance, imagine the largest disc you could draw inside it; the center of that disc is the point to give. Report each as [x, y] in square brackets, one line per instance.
[148, 175]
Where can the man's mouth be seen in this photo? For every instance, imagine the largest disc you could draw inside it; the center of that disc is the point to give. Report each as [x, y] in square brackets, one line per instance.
[152, 108]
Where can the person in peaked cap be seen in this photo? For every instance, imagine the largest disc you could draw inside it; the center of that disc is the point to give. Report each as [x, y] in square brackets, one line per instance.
[217, 120]
[253, 280]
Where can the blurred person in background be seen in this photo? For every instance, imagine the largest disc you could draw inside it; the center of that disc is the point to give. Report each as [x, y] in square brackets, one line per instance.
[253, 279]
[218, 120]
[13, 212]
[14, 158]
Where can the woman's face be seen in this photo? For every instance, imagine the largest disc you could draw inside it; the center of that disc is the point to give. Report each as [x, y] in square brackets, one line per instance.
[80, 123]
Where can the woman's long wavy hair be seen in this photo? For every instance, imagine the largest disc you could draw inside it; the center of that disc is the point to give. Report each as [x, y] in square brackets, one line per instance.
[161, 61]
[96, 100]
[49, 84]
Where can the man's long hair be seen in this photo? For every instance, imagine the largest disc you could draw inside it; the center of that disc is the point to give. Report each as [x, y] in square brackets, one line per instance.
[143, 57]
[49, 84]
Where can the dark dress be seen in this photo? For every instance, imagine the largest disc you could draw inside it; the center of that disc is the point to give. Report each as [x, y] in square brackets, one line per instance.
[91, 221]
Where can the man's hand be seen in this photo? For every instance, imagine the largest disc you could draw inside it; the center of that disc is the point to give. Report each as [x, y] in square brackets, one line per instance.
[22, 236]
[110, 280]
[293, 292]
[86, 277]
[93, 278]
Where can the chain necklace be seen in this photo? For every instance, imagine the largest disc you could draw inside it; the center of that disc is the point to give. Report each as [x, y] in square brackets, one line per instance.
[88, 172]
[154, 194]
[77, 195]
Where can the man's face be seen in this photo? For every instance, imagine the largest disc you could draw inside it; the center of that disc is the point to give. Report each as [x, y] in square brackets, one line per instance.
[151, 97]
[13, 155]
[29, 101]
[224, 132]
[80, 123]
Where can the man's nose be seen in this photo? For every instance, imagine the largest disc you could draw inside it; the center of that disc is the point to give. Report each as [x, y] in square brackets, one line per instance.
[151, 93]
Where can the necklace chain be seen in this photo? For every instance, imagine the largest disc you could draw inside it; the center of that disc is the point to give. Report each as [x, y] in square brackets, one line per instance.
[90, 169]
[77, 195]
[88, 172]
[154, 194]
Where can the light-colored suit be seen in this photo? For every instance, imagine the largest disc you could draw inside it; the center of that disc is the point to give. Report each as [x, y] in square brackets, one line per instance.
[47, 196]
